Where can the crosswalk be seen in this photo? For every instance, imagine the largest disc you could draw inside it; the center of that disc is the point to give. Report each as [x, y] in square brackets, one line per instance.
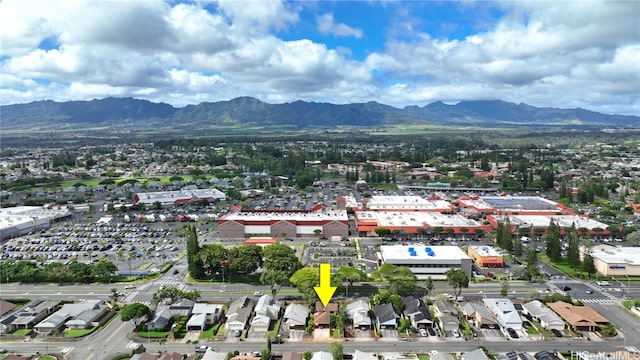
[176, 283]
[595, 301]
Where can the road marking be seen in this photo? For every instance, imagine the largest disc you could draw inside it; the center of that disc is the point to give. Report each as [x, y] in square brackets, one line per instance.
[115, 332]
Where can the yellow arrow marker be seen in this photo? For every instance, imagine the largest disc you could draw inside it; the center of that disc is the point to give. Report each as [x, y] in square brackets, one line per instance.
[325, 290]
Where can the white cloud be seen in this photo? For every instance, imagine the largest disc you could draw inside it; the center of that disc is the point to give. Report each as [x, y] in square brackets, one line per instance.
[579, 53]
[326, 25]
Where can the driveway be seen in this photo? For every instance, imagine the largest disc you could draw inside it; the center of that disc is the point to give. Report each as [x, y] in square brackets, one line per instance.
[321, 334]
[296, 335]
[256, 336]
[389, 335]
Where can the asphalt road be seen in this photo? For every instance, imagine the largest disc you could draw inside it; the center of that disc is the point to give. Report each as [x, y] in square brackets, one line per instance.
[114, 338]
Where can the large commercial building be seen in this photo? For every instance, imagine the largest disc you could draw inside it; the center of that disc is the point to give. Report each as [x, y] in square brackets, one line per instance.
[503, 205]
[540, 223]
[249, 223]
[617, 261]
[485, 256]
[21, 220]
[174, 198]
[396, 204]
[426, 261]
[416, 222]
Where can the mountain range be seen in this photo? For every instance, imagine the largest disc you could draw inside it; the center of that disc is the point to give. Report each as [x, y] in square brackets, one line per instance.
[129, 114]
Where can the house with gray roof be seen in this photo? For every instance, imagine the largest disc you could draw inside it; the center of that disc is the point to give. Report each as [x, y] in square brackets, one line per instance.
[478, 315]
[73, 316]
[358, 312]
[238, 320]
[239, 313]
[34, 312]
[442, 307]
[505, 313]
[477, 354]
[161, 319]
[418, 312]
[386, 316]
[295, 316]
[268, 307]
[547, 317]
[204, 315]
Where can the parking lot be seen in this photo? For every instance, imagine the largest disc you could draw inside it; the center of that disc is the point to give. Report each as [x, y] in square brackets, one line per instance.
[127, 245]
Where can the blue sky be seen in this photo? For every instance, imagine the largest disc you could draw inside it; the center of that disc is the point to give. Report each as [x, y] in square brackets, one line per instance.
[545, 53]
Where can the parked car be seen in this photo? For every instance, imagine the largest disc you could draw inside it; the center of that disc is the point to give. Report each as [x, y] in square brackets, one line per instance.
[455, 333]
[512, 333]
[556, 332]
[203, 348]
[423, 332]
[277, 341]
[237, 333]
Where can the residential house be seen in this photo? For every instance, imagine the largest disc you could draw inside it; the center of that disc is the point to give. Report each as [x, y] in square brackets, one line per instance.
[322, 316]
[291, 355]
[386, 316]
[241, 302]
[361, 355]
[505, 313]
[32, 313]
[144, 356]
[239, 312]
[581, 318]
[442, 307]
[204, 315]
[358, 312]
[331, 307]
[478, 315]
[260, 323]
[161, 319]
[448, 322]
[477, 354]
[6, 324]
[6, 307]
[295, 316]
[171, 356]
[238, 320]
[183, 308]
[322, 320]
[214, 355]
[447, 315]
[547, 318]
[418, 312]
[322, 355]
[268, 307]
[441, 355]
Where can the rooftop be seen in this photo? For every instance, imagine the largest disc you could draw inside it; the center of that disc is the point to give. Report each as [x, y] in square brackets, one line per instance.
[421, 252]
[418, 219]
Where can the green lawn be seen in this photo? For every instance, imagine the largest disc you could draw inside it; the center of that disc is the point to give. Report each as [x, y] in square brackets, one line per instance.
[274, 332]
[531, 330]
[77, 333]
[153, 334]
[21, 332]
[208, 334]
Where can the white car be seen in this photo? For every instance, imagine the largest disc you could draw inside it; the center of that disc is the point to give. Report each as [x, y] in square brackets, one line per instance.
[128, 287]
[602, 283]
[455, 333]
[258, 293]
